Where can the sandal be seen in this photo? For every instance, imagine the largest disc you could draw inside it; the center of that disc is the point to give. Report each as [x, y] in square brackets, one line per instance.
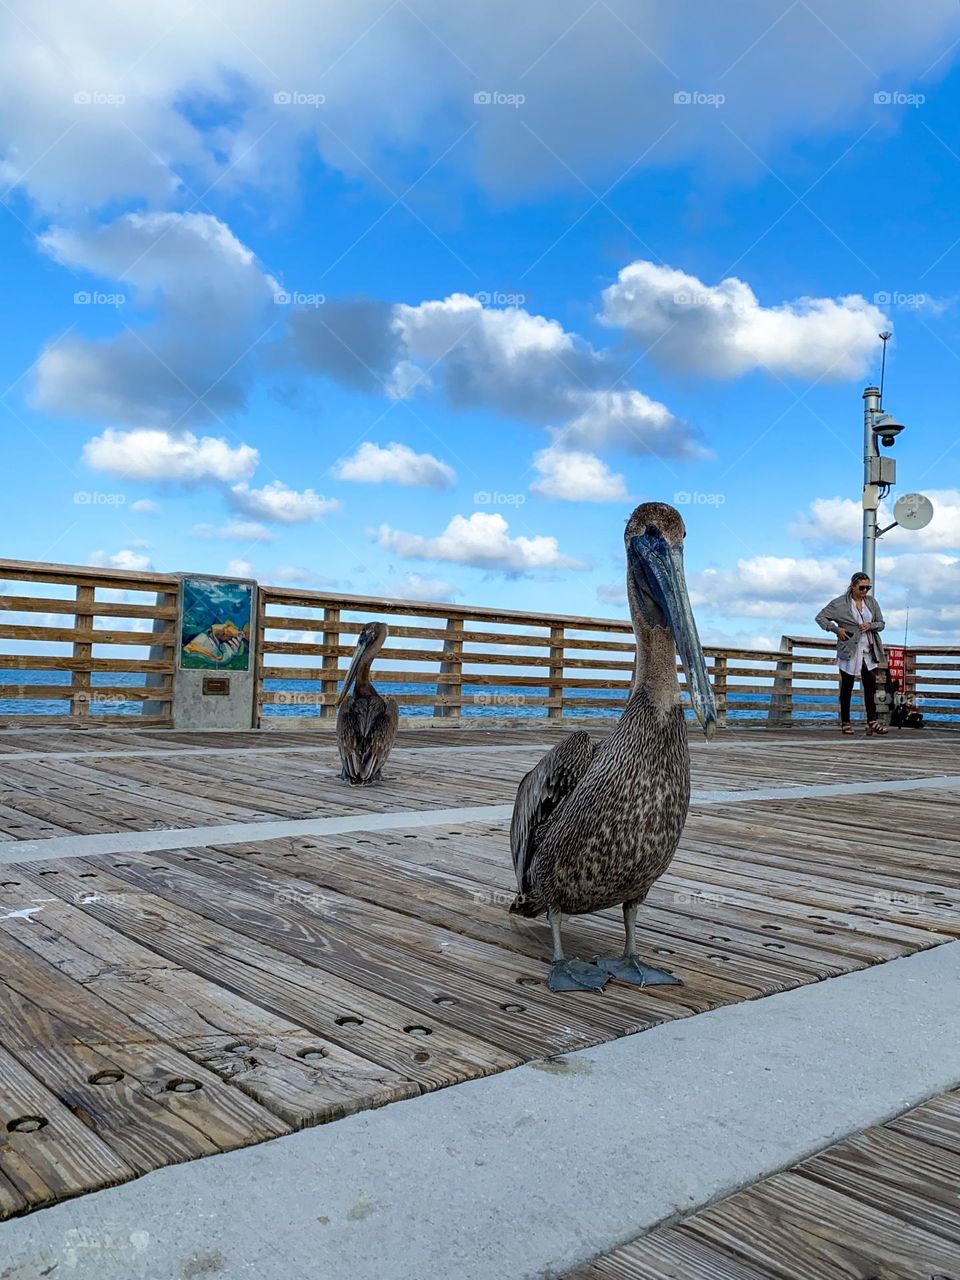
[875, 727]
[846, 728]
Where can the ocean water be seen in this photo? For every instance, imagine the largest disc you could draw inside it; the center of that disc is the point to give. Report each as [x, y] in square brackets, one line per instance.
[485, 702]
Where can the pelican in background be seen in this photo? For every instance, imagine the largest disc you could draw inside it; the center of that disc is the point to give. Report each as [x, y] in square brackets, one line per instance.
[367, 721]
[596, 823]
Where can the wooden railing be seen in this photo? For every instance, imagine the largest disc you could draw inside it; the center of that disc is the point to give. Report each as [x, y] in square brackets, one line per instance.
[924, 680]
[448, 655]
[451, 662]
[84, 646]
[81, 646]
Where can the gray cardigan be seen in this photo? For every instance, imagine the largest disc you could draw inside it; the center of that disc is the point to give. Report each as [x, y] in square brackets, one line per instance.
[838, 614]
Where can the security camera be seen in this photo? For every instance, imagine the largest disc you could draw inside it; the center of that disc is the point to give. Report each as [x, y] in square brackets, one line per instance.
[887, 428]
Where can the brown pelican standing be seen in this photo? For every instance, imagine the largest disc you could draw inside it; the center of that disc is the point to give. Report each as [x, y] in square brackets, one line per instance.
[596, 823]
[366, 721]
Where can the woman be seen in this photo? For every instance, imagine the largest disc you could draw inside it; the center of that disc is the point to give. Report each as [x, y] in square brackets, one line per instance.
[856, 620]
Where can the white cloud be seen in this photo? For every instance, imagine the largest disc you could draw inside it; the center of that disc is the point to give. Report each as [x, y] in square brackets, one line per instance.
[576, 477]
[213, 305]
[125, 559]
[152, 454]
[832, 522]
[627, 420]
[396, 464]
[521, 365]
[277, 503]
[724, 331]
[715, 637]
[416, 587]
[240, 568]
[775, 587]
[481, 540]
[299, 576]
[235, 530]
[612, 594]
[427, 65]
[144, 506]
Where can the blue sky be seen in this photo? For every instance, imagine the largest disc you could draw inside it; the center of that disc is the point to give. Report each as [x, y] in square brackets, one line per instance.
[349, 326]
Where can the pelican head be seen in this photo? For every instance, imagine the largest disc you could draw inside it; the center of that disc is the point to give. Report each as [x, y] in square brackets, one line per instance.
[369, 643]
[654, 543]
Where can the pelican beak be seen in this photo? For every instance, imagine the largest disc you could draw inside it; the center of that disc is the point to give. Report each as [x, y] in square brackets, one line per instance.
[363, 644]
[657, 569]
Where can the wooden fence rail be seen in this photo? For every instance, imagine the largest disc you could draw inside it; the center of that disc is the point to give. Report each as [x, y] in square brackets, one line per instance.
[82, 646]
[86, 646]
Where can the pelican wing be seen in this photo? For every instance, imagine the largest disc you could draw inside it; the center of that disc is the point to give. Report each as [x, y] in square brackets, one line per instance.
[545, 787]
[366, 729]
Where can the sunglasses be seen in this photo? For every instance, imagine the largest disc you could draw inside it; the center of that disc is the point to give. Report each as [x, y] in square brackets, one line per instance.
[863, 586]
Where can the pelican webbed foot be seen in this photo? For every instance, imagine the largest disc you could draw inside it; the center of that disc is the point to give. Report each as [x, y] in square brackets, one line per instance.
[630, 969]
[570, 975]
[627, 968]
[575, 975]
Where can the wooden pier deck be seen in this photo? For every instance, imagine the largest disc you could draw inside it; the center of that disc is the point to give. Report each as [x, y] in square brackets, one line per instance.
[883, 1203]
[207, 940]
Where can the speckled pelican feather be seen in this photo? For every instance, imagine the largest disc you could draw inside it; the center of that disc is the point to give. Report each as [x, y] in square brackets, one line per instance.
[596, 824]
[366, 729]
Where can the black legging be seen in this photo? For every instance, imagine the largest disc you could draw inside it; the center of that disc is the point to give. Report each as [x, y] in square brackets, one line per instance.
[869, 680]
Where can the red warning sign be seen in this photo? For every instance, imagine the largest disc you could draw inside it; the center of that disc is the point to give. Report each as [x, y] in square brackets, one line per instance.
[895, 660]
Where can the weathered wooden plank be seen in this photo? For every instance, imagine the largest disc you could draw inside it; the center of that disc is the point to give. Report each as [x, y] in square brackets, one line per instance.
[277, 917]
[903, 1177]
[150, 1104]
[47, 1153]
[62, 722]
[86, 634]
[803, 1231]
[672, 1255]
[95, 694]
[56, 662]
[102, 608]
[453, 950]
[362, 1022]
[298, 1076]
[936, 1123]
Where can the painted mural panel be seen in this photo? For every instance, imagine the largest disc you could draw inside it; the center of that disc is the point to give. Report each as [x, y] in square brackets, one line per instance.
[215, 631]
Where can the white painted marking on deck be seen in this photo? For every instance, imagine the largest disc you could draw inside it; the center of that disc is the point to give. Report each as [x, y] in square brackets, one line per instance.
[91, 846]
[240, 833]
[825, 789]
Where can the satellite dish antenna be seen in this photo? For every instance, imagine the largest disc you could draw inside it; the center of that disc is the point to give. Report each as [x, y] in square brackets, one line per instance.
[913, 511]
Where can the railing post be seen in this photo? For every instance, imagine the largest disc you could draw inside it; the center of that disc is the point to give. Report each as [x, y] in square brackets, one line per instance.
[555, 687]
[720, 687]
[157, 653]
[910, 676]
[451, 664]
[331, 661]
[781, 703]
[83, 652]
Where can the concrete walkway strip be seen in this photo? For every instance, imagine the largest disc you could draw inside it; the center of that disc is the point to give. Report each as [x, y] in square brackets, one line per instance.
[13, 851]
[537, 1170]
[240, 833]
[944, 782]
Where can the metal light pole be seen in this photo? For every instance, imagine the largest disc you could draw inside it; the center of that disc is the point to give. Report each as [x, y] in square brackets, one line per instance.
[879, 471]
[871, 501]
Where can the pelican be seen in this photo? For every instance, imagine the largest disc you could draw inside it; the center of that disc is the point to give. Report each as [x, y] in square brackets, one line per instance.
[596, 823]
[367, 721]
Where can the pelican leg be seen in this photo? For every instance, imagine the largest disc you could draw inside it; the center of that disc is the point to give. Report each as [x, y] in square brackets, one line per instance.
[627, 968]
[570, 975]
